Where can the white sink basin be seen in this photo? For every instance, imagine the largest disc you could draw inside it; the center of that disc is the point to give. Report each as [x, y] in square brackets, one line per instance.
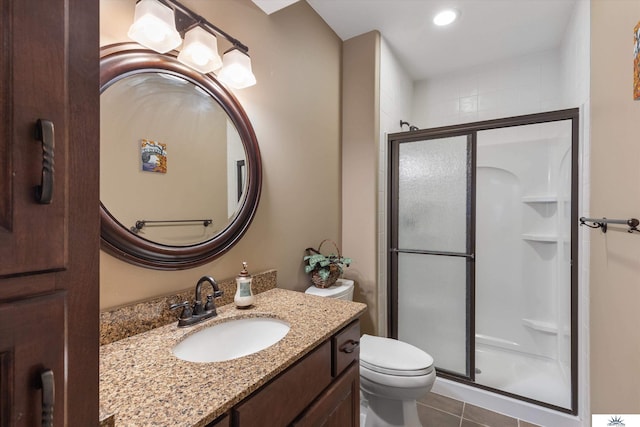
[231, 339]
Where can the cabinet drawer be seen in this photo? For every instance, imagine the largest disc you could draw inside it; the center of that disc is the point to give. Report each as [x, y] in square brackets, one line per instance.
[345, 348]
[279, 402]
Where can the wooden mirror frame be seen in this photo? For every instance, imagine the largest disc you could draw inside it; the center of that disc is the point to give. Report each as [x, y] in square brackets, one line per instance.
[124, 59]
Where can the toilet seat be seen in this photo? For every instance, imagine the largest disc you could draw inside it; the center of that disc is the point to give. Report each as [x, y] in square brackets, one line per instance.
[392, 357]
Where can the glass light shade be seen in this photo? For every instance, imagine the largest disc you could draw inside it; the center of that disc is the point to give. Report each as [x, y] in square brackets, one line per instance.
[200, 51]
[154, 26]
[236, 70]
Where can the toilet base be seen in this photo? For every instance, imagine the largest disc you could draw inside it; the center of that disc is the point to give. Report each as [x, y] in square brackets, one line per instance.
[382, 412]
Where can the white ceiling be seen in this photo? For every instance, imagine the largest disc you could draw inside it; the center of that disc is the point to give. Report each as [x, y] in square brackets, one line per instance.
[487, 30]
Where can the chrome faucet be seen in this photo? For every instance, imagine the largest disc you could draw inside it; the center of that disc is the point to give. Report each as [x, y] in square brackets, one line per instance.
[190, 316]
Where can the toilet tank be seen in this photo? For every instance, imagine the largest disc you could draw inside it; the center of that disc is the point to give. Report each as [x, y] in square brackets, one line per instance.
[343, 289]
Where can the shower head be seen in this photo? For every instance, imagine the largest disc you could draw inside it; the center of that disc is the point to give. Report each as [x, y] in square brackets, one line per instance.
[411, 128]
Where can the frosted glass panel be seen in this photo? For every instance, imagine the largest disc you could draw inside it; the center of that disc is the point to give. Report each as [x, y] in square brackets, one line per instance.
[432, 307]
[432, 195]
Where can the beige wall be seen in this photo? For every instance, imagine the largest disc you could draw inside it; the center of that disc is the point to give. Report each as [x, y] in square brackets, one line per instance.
[615, 166]
[295, 111]
[194, 129]
[360, 146]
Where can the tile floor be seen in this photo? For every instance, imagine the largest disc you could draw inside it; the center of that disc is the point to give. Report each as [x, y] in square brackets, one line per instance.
[436, 410]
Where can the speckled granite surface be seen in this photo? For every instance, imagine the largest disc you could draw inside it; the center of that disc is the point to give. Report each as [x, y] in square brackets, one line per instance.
[123, 322]
[143, 384]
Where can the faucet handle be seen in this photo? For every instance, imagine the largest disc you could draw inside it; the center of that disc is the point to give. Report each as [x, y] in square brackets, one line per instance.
[210, 305]
[186, 309]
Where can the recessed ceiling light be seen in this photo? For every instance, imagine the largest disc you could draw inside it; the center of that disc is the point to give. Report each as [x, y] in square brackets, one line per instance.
[445, 17]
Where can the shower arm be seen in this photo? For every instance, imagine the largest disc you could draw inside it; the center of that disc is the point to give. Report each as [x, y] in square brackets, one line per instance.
[411, 128]
[601, 223]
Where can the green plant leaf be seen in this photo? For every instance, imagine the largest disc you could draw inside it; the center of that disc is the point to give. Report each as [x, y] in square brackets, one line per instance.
[315, 259]
[321, 264]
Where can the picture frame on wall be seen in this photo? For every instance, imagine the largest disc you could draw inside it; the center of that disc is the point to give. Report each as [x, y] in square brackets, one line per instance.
[153, 155]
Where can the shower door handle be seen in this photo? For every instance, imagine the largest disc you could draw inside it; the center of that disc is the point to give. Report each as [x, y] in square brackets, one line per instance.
[425, 252]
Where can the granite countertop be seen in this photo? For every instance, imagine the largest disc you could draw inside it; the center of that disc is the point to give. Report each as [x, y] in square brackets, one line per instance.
[143, 384]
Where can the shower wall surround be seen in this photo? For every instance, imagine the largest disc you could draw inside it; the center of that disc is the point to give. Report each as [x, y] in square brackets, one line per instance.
[527, 84]
[523, 261]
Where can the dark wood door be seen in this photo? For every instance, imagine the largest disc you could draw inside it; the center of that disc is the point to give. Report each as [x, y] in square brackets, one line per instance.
[49, 249]
[23, 359]
[33, 87]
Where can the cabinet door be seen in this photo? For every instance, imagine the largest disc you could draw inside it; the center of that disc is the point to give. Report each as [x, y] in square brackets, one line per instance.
[279, 402]
[33, 76]
[49, 70]
[24, 359]
[339, 405]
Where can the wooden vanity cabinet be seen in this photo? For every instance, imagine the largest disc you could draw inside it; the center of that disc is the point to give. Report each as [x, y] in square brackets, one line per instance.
[338, 406]
[321, 389]
[49, 247]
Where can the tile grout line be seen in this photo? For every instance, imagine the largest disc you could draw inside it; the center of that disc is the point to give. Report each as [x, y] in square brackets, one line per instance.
[442, 410]
[462, 414]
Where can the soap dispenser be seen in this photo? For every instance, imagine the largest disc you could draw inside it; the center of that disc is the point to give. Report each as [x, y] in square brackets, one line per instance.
[244, 295]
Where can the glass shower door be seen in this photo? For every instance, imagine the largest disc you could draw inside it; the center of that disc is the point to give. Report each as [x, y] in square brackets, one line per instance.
[483, 253]
[431, 248]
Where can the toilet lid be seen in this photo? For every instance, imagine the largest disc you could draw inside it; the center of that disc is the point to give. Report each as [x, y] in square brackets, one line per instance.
[341, 288]
[393, 357]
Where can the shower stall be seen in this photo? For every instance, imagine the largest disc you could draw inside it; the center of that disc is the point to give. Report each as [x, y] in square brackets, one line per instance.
[483, 253]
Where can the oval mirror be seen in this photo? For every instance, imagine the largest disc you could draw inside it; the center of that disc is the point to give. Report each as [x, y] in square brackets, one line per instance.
[180, 168]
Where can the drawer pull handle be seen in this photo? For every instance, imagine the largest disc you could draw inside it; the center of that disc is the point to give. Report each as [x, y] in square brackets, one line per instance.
[350, 346]
[45, 134]
[48, 398]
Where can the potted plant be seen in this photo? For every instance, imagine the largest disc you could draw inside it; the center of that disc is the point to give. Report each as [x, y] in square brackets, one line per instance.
[324, 269]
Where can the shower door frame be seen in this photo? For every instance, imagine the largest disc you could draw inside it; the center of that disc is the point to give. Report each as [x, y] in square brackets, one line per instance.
[471, 130]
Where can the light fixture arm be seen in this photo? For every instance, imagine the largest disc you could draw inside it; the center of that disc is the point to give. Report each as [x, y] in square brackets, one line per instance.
[187, 19]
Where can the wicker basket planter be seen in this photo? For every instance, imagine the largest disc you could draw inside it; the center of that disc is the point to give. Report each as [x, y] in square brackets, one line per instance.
[324, 269]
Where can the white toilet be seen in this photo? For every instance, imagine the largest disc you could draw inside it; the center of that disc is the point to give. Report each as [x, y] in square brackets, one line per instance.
[393, 374]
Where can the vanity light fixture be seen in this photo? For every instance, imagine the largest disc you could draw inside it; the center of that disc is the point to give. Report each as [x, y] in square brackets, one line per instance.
[236, 71]
[200, 51]
[153, 22]
[445, 17]
[154, 26]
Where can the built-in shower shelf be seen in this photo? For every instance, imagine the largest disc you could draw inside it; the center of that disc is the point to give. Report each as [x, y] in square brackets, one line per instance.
[543, 198]
[542, 326]
[538, 237]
